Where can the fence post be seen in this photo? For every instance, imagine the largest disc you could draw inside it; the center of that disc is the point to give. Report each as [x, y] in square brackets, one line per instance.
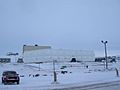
[117, 72]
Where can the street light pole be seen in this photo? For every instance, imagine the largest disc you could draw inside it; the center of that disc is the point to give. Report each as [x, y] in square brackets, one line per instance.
[105, 42]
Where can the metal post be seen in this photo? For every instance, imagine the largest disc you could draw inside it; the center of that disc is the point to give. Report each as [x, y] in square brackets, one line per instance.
[117, 72]
[54, 72]
[39, 66]
[104, 64]
[106, 56]
[105, 53]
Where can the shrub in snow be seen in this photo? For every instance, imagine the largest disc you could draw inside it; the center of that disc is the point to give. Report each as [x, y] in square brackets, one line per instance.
[29, 75]
[36, 75]
[63, 72]
[63, 67]
[22, 76]
[44, 74]
[86, 66]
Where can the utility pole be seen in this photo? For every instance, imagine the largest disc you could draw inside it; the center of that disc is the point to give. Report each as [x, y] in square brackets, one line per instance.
[105, 42]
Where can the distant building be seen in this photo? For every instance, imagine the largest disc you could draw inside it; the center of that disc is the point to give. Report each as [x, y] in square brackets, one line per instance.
[11, 59]
[20, 60]
[99, 59]
[47, 54]
[32, 48]
[109, 59]
[12, 54]
[5, 59]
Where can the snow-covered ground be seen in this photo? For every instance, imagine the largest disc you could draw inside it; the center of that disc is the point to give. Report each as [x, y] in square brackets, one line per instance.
[77, 75]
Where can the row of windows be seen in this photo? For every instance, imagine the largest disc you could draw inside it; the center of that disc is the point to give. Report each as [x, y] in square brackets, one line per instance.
[5, 60]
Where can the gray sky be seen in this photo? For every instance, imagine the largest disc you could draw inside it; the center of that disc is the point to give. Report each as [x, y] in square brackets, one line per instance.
[69, 24]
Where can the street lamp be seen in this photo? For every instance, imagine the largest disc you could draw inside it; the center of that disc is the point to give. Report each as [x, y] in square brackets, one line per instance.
[105, 42]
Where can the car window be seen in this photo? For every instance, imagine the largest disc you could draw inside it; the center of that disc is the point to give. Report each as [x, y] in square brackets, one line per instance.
[10, 73]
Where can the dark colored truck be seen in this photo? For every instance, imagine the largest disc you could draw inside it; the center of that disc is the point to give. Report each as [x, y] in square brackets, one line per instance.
[10, 76]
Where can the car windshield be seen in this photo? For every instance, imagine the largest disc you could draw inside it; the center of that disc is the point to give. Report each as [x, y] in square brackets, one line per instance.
[10, 72]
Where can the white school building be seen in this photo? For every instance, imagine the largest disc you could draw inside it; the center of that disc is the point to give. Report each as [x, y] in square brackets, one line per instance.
[47, 54]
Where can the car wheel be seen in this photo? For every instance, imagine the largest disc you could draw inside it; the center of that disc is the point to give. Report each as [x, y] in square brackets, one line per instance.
[17, 82]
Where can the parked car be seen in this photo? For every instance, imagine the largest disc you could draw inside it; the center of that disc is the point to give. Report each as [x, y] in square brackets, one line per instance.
[10, 76]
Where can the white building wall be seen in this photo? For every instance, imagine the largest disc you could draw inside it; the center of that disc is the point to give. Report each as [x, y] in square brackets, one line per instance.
[46, 55]
[32, 48]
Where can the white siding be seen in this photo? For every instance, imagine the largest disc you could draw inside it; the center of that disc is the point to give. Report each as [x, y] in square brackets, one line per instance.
[58, 54]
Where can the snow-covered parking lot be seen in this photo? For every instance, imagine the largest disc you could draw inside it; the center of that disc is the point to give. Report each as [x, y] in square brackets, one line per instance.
[39, 77]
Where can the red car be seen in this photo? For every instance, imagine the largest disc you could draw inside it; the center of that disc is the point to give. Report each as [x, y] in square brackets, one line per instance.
[10, 76]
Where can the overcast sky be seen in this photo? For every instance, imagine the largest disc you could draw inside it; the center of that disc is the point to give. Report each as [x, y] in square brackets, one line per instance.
[67, 24]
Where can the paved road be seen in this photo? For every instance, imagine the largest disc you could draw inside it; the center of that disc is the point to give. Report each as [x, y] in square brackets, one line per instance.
[104, 86]
[101, 86]
[112, 87]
